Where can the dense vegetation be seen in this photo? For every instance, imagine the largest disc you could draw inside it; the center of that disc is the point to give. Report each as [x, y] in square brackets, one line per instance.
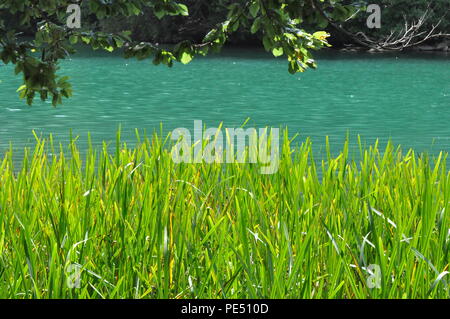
[139, 226]
[205, 14]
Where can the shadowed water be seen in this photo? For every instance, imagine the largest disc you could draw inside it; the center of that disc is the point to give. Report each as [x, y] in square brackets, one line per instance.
[405, 97]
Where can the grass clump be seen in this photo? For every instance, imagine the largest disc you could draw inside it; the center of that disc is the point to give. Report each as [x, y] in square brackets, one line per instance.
[134, 224]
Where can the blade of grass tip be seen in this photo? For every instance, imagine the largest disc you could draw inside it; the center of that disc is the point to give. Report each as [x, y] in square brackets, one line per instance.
[421, 256]
[118, 145]
[333, 241]
[245, 122]
[439, 279]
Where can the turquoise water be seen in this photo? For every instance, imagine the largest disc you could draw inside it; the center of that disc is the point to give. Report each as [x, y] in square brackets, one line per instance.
[401, 97]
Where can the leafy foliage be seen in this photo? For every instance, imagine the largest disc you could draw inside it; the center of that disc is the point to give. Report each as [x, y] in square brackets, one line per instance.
[279, 23]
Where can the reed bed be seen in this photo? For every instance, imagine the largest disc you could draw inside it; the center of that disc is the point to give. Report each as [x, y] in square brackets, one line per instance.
[133, 224]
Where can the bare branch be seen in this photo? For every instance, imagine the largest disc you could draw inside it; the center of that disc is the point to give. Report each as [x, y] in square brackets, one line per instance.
[412, 34]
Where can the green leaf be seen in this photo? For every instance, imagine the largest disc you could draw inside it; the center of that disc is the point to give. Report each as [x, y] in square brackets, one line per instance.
[133, 9]
[267, 43]
[278, 52]
[21, 88]
[159, 14]
[73, 39]
[86, 40]
[256, 25]
[186, 57]
[254, 9]
[321, 35]
[183, 9]
[235, 26]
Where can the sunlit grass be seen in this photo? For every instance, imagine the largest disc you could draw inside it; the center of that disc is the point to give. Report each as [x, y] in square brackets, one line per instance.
[141, 226]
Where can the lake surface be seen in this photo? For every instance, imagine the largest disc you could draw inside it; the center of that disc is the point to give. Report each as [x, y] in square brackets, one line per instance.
[403, 97]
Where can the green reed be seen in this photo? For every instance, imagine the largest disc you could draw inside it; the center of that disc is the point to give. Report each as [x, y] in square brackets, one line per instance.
[136, 225]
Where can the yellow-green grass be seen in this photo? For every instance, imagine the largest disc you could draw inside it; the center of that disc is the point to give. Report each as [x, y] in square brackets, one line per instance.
[141, 226]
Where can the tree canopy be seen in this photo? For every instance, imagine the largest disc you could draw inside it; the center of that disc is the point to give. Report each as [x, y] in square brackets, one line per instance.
[278, 23]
